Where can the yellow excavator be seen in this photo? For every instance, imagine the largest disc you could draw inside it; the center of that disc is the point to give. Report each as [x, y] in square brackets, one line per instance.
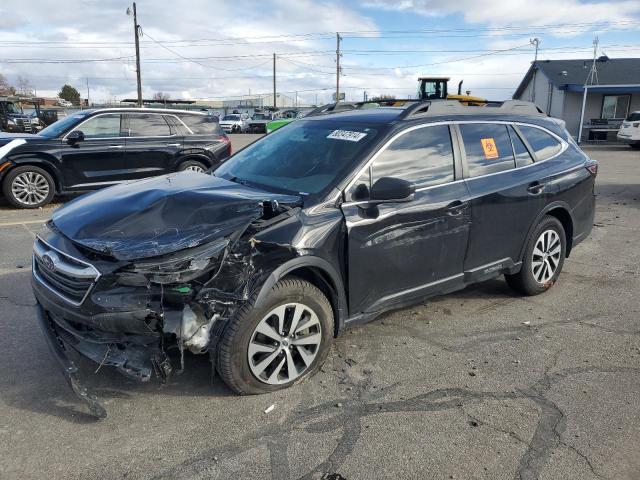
[435, 88]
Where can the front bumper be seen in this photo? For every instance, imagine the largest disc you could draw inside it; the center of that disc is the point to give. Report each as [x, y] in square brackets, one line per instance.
[628, 138]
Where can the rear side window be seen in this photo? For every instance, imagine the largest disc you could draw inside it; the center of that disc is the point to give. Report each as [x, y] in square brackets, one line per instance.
[423, 156]
[202, 124]
[148, 125]
[543, 144]
[488, 148]
[523, 157]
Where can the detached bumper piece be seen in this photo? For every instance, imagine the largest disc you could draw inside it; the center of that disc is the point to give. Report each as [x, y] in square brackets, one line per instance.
[69, 369]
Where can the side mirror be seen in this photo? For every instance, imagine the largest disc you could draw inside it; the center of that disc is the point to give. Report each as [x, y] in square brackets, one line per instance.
[390, 188]
[75, 137]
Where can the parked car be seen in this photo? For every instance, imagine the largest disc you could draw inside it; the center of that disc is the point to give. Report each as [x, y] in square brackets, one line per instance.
[235, 123]
[258, 124]
[319, 226]
[12, 118]
[95, 148]
[629, 132]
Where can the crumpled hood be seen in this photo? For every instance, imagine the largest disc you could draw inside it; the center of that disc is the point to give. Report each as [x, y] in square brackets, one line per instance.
[161, 215]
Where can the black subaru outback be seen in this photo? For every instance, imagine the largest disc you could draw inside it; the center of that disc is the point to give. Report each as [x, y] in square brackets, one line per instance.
[92, 149]
[321, 225]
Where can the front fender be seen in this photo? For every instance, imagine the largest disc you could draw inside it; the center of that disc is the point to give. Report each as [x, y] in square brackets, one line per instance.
[316, 263]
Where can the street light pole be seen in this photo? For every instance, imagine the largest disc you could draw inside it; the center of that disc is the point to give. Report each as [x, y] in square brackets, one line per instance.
[338, 55]
[136, 29]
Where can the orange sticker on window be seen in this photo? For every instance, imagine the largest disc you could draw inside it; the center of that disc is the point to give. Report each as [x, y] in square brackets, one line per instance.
[489, 147]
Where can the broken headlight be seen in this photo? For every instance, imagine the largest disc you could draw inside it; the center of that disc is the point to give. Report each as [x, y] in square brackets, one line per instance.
[177, 267]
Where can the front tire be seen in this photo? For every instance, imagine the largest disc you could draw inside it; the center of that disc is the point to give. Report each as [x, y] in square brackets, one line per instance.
[28, 187]
[282, 342]
[543, 259]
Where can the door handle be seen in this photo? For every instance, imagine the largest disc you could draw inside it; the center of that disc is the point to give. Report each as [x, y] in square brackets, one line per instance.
[535, 188]
[114, 146]
[173, 144]
[456, 208]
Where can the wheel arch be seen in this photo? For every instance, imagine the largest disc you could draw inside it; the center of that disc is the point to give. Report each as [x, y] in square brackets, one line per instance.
[40, 162]
[318, 272]
[195, 156]
[562, 212]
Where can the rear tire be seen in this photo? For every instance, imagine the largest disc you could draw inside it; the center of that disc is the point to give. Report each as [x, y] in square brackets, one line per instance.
[28, 187]
[192, 165]
[543, 259]
[251, 362]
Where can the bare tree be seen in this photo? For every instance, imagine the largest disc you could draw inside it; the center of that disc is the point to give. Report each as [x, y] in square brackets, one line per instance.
[161, 96]
[5, 87]
[24, 86]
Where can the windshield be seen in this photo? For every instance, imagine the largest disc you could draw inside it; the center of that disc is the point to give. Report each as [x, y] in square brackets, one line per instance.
[11, 108]
[231, 117]
[261, 116]
[58, 128]
[306, 157]
[634, 117]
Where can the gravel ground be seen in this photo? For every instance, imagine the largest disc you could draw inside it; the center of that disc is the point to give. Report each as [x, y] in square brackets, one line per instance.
[477, 384]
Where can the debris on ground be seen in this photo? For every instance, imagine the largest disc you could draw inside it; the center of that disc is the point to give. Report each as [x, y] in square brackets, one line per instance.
[270, 408]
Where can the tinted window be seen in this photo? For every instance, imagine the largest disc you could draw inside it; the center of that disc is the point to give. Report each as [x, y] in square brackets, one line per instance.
[634, 117]
[231, 117]
[488, 148]
[202, 124]
[523, 157]
[305, 157]
[148, 125]
[59, 127]
[423, 156]
[102, 126]
[543, 144]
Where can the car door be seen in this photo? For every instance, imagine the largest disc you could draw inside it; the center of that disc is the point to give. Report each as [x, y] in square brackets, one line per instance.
[507, 193]
[151, 145]
[402, 250]
[98, 159]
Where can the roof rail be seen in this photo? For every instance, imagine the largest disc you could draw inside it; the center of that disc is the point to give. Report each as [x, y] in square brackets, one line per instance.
[454, 107]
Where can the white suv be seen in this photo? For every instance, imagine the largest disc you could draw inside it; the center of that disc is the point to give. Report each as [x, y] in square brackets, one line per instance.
[630, 130]
[235, 123]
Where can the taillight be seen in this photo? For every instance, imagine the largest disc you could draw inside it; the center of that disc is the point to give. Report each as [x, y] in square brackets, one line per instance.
[593, 167]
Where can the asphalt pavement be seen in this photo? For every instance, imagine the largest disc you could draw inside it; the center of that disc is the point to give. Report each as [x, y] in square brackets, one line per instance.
[481, 383]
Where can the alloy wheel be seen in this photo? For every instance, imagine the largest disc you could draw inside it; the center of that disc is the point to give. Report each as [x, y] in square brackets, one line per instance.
[30, 188]
[546, 256]
[284, 344]
[194, 168]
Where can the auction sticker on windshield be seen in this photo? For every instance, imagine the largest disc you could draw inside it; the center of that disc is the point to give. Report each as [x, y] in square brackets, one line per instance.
[347, 135]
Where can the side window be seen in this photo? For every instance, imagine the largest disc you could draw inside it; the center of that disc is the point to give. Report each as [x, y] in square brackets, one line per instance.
[102, 126]
[423, 156]
[488, 148]
[523, 157]
[543, 144]
[202, 124]
[148, 125]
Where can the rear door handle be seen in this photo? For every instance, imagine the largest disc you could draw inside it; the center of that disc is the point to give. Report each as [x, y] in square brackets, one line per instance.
[535, 188]
[115, 146]
[457, 208]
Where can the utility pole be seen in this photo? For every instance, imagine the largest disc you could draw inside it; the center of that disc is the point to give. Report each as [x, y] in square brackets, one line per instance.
[275, 102]
[338, 55]
[136, 30]
[536, 42]
[88, 102]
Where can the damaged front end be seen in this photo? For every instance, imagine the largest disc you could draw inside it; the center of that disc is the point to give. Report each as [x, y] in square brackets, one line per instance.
[123, 285]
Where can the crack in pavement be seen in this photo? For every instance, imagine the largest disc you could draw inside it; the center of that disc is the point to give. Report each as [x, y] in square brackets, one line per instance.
[362, 404]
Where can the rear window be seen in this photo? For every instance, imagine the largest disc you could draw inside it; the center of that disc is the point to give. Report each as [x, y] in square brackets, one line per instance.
[202, 124]
[488, 148]
[148, 125]
[523, 157]
[542, 143]
[634, 117]
[231, 117]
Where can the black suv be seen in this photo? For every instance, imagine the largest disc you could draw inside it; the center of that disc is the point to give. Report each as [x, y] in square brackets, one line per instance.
[323, 224]
[95, 148]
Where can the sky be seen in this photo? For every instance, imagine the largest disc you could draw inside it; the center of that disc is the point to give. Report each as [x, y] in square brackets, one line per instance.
[214, 50]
